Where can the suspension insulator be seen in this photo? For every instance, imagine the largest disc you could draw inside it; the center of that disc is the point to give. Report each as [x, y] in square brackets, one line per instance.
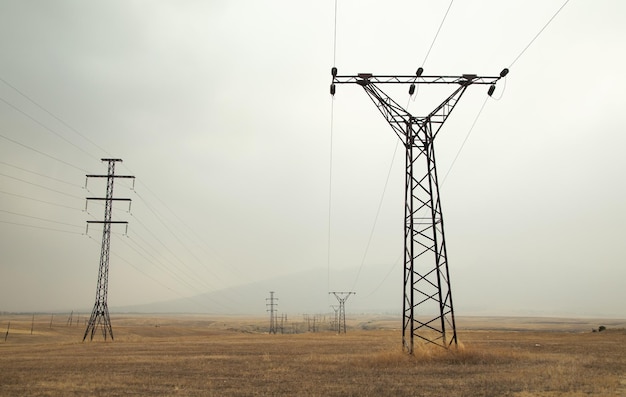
[419, 72]
[412, 89]
[333, 71]
[492, 88]
[504, 72]
[332, 89]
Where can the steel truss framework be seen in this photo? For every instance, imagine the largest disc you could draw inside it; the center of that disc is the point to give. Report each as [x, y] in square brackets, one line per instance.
[428, 313]
[340, 316]
[100, 313]
[273, 314]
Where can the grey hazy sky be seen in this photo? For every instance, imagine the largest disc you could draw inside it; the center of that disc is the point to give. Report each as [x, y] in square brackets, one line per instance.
[222, 112]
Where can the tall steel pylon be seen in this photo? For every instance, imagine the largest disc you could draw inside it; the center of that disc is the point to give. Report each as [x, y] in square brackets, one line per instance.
[100, 313]
[426, 281]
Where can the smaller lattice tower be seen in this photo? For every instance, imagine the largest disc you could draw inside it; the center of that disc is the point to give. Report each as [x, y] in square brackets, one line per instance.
[342, 297]
[273, 313]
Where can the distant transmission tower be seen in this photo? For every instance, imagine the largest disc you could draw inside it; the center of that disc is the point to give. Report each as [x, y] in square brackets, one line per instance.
[335, 321]
[100, 314]
[342, 297]
[273, 313]
[426, 275]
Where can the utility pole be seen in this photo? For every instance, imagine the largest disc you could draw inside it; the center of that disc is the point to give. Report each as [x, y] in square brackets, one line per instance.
[100, 313]
[342, 297]
[426, 276]
[272, 305]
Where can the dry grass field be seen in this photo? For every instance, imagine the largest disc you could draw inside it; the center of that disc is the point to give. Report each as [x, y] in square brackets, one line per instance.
[204, 356]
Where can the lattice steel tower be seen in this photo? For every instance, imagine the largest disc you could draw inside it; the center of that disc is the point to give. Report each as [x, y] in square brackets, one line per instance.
[100, 313]
[342, 297]
[426, 275]
[272, 310]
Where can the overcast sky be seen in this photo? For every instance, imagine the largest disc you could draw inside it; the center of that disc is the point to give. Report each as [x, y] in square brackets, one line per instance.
[221, 109]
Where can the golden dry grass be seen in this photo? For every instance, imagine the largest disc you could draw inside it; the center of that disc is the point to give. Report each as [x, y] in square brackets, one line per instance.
[201, 356]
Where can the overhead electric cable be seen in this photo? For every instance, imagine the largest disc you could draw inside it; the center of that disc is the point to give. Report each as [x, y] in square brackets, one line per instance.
[157, 281]
[437, 34]
[330, 192]
[335, 38]
[487, 98]
[396, 263]
[39, 174]
[465, 140]
[537, 35]
[330, 165]
[40, 227]
[41, 201]
[42, 153]
[169, 229]
[194, 275]
[156, 261]
[200, 242]
[41, 186]
[53, 115]
[380, 204]
[40, 219]
[47, 128]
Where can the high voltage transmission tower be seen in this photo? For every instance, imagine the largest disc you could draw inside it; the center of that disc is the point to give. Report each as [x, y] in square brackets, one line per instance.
[100, 314]
[426, 275]
[273, 313]
[335, 320]
[342, 297]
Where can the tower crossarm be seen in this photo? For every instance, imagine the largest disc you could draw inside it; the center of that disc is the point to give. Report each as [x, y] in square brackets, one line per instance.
[367, 78]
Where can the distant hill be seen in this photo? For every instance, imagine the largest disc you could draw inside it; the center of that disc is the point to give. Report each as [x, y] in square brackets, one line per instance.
[304, 292]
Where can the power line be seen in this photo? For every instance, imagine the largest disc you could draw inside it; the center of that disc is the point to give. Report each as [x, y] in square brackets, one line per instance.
[465, 140]
[330, 190]
[42, 153]
[191, 274]
[176, 237]
[540, 31]
[38, 218]
[52, 114]
[199, 241]
[380, 204]
[487, 98]
[45, 127]
[437, 34]
[40, 201]
[166, 268]
[335, 38]
[397, 261]
[39, 174]
[156, 260]
[41, 186]
[39, 227]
